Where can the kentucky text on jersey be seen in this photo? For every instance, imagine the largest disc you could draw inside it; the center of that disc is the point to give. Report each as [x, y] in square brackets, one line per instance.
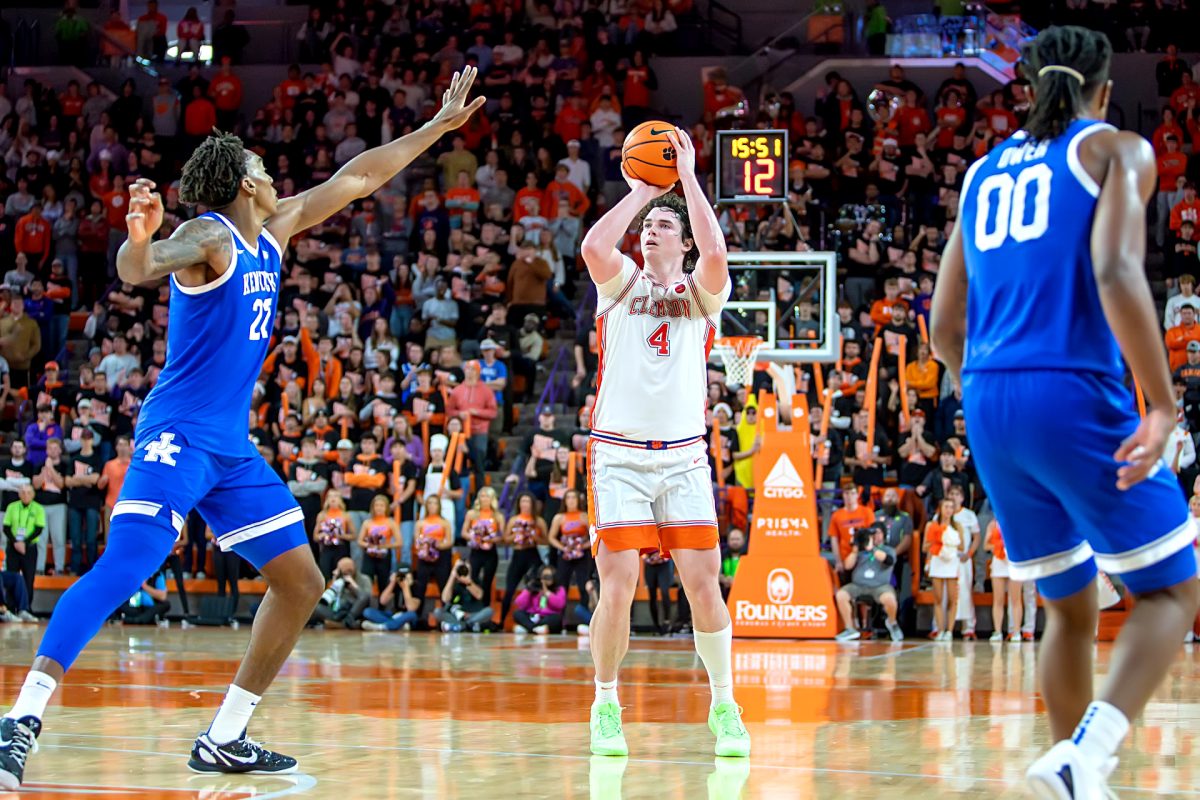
[660, 308]
[257, 282]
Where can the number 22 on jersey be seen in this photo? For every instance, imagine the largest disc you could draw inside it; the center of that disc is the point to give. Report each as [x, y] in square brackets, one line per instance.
[660, 340]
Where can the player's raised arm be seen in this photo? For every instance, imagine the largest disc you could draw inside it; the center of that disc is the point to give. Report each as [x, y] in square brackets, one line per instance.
[197, 241]
[366, 172]
[1126, 162]
[599, 246]
[712, 269]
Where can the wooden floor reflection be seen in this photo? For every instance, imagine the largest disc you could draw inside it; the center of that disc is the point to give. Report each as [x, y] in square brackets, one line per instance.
[471, 716]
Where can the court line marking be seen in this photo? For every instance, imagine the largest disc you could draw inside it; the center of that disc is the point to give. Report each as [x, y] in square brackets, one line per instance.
[567, 757]
[303, 781]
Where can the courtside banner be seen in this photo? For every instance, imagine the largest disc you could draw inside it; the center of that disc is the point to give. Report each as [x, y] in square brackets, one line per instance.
[783, 598]
[785, 505]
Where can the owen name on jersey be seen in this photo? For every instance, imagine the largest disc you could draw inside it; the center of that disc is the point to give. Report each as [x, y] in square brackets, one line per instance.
[670, 307]
[258, 282]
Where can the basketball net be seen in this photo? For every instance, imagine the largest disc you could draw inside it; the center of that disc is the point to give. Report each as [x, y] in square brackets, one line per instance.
[738, 354]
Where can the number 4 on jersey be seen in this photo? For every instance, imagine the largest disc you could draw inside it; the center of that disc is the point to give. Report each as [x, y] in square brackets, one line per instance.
[660, 340]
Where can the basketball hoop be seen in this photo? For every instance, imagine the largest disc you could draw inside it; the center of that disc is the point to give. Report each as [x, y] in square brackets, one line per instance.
[738, 354]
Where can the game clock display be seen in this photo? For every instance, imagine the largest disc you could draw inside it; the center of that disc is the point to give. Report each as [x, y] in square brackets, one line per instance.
[752, 166]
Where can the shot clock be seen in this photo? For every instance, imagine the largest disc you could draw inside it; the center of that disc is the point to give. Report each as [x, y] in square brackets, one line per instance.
[752, 166]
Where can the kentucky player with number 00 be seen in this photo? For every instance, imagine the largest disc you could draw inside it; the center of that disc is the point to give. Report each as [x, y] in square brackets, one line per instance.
[1043, 286]
[649, 484]
[193, 448]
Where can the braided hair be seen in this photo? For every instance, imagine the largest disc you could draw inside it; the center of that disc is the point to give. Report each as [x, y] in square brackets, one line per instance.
[1060, 95]
[213, 174]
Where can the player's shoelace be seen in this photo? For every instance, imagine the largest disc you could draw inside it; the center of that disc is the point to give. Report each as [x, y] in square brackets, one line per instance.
[729, 721]
[609, 723]
[265, 757]
[22, 742]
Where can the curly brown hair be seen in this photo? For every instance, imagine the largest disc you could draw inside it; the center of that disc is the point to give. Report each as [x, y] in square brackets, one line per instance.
[677, 205]
[213, 174]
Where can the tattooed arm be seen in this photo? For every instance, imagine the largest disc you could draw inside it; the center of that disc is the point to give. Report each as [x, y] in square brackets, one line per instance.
[195, 248]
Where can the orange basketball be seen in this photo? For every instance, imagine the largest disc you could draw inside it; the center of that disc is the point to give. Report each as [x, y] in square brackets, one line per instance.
[648, 155]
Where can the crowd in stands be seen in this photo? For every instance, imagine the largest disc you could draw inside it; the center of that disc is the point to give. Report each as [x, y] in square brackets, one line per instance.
[415, 327]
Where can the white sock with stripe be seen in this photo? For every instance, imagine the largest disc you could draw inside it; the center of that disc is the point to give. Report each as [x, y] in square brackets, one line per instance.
[716, 651]
[34, 697]
[1100, 732]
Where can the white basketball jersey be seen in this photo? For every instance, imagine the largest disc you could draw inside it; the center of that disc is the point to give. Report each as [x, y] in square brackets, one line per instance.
[654, 343]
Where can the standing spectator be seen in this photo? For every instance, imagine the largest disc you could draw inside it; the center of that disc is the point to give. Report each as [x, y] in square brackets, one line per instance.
[17, 471]
[477, 404]
[227, 569]
[308, 481]
[897, 534]
[968, 524]
[113, 478]
[875, 27]
[226, 93]
[563, 188]
[527, 280]
[51, 483]
[152, 33]
[1172, 166]
[1169, 72]
[433, 539]
[165, 111]
[1003, 587]
[24, 524]
[379, 537]
[39, 432]
[229, 39]
[365, 476]
[943, 543]
[86, 498]
[483, 531]
[569, 535]
[332, 534]
[524, 532]
[70, 32]
[199, 118]
[32, 235]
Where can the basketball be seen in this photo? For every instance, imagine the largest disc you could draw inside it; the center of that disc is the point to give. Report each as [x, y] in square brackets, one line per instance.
[648, 155]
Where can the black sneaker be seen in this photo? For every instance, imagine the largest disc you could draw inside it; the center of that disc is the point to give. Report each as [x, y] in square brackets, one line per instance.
[18, 738]
[243, 755]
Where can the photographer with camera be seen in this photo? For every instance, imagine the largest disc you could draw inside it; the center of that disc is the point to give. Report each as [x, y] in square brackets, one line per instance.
[348, 595]
[870, 565]
[540, 605]
[398, 594]
[464, 606]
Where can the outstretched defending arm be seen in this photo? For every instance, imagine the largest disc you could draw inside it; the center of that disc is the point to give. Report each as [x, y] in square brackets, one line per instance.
[712, 268]
[368, 171]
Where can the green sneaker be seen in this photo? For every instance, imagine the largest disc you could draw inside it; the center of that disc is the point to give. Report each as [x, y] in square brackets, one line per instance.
[607, 737]
[733, 740]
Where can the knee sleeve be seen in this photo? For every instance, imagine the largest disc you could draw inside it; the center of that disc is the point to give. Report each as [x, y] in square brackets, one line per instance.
[137, 546]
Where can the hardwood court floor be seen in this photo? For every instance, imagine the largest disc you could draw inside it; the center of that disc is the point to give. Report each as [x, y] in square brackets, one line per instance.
[494, 716]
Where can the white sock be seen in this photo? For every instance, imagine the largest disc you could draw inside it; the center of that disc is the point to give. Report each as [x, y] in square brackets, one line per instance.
[716, 651]
[233, 716]
[34, 696]
[1100, 732]
[606, 692]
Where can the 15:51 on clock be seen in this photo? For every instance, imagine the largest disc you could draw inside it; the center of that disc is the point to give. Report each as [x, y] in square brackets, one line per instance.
[752, 166]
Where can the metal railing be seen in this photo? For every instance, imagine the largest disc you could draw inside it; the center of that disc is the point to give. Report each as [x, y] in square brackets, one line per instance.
[724, 23]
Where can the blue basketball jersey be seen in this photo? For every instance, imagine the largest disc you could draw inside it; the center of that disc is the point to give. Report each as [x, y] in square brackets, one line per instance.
[1032, 303]
[217, 339]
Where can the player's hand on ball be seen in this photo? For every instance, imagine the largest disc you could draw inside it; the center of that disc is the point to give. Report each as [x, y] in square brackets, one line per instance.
[145, 211]
[643, 187]
[1142, 452]
[685, 151]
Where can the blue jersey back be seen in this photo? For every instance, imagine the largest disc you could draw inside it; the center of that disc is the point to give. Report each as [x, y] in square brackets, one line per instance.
[217, 340]
[1032, 302]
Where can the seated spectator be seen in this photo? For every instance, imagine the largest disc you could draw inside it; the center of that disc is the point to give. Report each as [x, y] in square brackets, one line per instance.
[540, 605]
[464, 605]
[870, 563]
[14, 602]
[348, 595]
[149, 606]
[397, 606]
[842, 525]
[937, 483]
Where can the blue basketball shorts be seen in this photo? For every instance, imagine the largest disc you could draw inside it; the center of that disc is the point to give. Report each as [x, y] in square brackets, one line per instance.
[248, 507]
[1043, 442]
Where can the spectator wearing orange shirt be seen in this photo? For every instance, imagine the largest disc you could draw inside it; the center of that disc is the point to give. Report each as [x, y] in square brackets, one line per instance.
[529, 200]
[950, 117]
[32, 236]
[291, 88]
[881, 310]
[226, 93]
[1000, 121]
[911, 119]
[115, 207]
[112, 478]
[1168, 126]
[718, 93]
[924, 377]
[1172, 165]
[1186, 210]
[152, 32]
[636, 85]
[568, 124]
[843, 523]
[199, 116]
[1178, 337]
[1188, 90]
[561, 187]
[463, 197]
